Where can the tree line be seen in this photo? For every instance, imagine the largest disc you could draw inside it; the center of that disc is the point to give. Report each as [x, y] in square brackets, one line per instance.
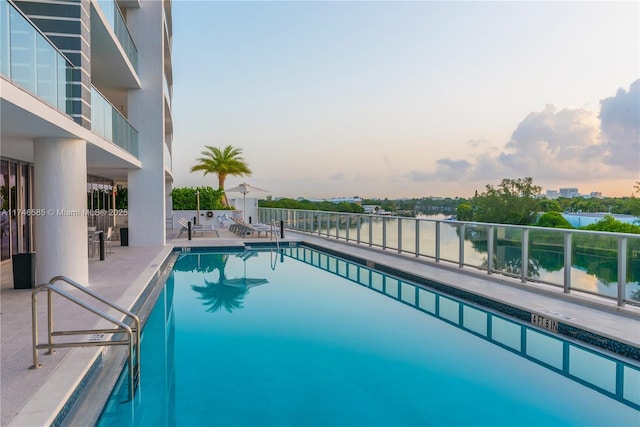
[519, 202]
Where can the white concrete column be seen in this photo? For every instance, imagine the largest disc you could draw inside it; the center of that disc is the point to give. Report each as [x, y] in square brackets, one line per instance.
[60, 192]
[146, 186]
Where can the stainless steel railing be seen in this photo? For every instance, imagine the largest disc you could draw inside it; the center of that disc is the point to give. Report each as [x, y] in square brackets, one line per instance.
[132, 332]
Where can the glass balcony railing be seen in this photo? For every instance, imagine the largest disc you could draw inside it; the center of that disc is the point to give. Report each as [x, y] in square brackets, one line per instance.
[591, 262]
[115, 19]
[28, 59]
[110, 124]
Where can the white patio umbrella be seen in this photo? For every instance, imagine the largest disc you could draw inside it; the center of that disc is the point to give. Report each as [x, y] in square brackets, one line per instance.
[244, 188]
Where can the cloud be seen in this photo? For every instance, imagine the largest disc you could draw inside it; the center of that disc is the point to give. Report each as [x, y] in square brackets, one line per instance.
[337, 176]
[557, 145]
[475, 143]
[620, 123]
[446, 170]
[419, 176]
[388, 163]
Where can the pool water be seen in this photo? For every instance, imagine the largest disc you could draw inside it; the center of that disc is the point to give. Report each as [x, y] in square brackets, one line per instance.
[301, 338]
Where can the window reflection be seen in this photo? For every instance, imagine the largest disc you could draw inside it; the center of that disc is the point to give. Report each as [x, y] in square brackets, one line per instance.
[15, 197]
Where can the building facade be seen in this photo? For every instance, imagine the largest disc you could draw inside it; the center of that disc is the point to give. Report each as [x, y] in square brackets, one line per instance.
[569, 192]
[86, 88]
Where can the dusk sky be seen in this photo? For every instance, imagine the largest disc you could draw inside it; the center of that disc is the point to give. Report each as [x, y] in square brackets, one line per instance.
[409, 99]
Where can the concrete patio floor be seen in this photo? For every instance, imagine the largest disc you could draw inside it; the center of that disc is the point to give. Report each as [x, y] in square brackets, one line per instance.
[33, 397]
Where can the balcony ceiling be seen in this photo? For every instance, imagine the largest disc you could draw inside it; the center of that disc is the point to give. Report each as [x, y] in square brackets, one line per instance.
[110, 67]
[20, 125]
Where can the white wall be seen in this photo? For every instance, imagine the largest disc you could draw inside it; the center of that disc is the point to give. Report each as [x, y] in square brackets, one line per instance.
[146, 186]
[204, 218]
[250, 207]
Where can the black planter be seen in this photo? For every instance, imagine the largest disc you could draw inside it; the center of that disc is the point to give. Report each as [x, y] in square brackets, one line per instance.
[24, 270]
[124, 236]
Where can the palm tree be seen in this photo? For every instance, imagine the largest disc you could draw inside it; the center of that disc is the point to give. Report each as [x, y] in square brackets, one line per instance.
[223, 163]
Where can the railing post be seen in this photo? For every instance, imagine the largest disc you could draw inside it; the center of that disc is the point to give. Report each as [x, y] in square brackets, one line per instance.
[399, 235]
[34, 328]
[524, 257]
[370, 231]
[338, 226]
[132, 386]
[384, 232]
[567, 262]
[462, 228]
[622, 269]
[438, 241]
[490, 232]
[417, 238]
[50, 320]
[358, 224]
[347, 225]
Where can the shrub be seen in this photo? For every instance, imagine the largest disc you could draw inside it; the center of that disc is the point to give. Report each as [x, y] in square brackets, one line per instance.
[553, 219]
[185, 198]
[609, 223]
[464, 212]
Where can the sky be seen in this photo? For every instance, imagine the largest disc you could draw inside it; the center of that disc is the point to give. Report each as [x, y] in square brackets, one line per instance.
[409, 99]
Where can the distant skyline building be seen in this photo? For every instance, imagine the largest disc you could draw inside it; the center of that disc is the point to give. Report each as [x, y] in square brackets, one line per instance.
[569, 192]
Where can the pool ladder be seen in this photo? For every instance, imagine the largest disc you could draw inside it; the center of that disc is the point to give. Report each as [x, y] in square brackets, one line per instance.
[274, 235]
[274, 227]
[132, 340]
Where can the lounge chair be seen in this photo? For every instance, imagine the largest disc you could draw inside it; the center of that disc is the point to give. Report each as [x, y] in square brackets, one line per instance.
[242, 228]
[195, 228]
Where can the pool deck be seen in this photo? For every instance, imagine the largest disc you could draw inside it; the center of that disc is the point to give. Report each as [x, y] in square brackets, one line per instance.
[34, 397]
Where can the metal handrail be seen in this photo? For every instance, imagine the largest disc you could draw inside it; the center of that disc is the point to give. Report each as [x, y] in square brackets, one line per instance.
[274, 226]
[133, 334]
[274, 261]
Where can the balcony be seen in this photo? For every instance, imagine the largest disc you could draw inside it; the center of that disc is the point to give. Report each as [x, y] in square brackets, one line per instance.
[29, 60]
[119, 27]
[110, 124]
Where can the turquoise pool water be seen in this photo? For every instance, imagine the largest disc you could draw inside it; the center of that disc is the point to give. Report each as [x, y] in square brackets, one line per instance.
[301, 338]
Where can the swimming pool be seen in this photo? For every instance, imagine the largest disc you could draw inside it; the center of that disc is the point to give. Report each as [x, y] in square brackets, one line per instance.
[302, 338]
